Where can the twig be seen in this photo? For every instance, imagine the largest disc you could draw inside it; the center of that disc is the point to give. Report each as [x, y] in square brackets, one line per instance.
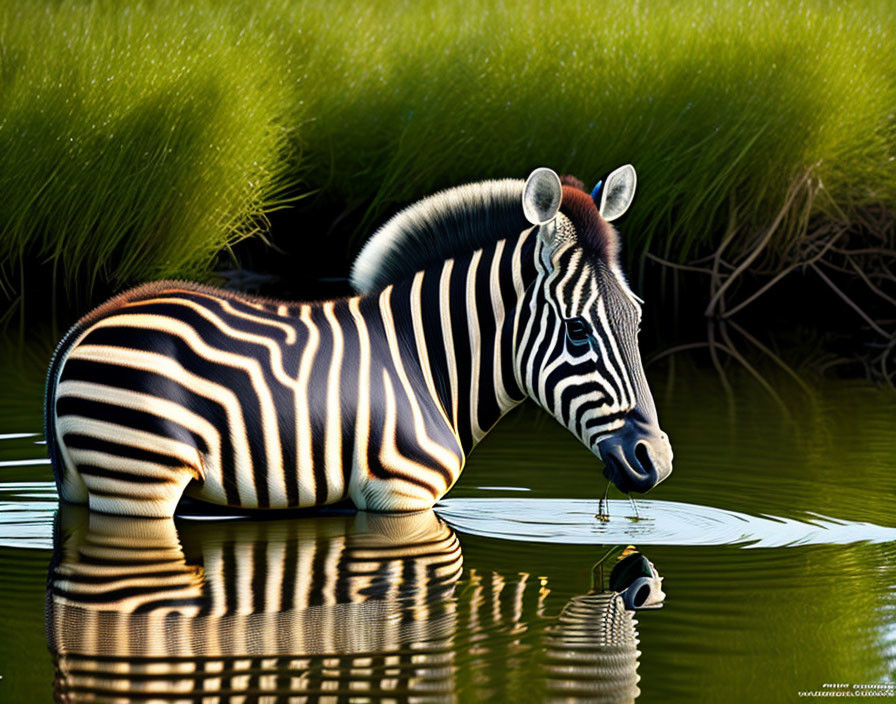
[757, 294]
[867, 250]
[717, 257]
[709, 257]
[756, 375]
[835, 267]
[875, 289]
[729, 393]
[714, 301]
[815, 257]
[850, 302]
[838, 362]
[775, 358]
[680, 267]
[673, 350]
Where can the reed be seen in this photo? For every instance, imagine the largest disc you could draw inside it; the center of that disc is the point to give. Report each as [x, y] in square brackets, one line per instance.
[723, 109]
[141, 140]
[137, 140]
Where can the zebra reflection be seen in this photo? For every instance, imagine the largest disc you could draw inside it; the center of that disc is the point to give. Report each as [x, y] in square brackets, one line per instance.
[326, 609]
[592, 650]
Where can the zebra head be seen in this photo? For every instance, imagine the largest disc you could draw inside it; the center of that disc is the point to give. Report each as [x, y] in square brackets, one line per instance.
[577, 355]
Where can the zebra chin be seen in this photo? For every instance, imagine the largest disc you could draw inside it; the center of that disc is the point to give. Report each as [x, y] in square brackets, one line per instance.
[636, 458]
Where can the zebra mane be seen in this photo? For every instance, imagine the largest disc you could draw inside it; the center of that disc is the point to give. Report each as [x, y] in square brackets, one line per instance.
[441, 226]
[464, 219]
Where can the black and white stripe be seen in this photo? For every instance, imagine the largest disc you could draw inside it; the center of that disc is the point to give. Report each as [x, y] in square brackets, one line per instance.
[570, 358]
[319, 609]
[592, 651]
[377, 399]
[251, 611]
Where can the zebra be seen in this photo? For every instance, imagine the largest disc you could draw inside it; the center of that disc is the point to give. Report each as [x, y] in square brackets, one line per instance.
[467, 303]
[373, 607]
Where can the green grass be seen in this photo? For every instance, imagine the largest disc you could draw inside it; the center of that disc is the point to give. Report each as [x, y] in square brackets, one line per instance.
[719, 109]
[140, 139]
[136, 141]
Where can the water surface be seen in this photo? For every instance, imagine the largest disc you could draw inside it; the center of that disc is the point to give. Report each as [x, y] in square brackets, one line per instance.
[774, 535]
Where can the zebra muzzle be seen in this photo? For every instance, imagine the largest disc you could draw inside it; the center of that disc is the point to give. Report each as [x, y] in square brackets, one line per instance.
[637, 458]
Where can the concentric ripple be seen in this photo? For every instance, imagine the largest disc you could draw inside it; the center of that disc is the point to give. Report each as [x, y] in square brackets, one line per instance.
[660, 523]
[27, 510]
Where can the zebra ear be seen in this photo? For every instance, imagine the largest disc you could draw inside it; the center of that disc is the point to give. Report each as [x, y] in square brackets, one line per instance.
[541, 196]
[618, 192]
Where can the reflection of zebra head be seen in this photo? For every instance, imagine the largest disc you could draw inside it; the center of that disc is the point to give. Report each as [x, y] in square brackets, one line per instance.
[577, 353]
[592, 649]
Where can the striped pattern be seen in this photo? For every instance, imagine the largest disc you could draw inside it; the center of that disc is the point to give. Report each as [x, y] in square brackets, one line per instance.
[176, 388]
[268, 611]
[586, 380]
[314, 610]
[592, 651]
[311, 410]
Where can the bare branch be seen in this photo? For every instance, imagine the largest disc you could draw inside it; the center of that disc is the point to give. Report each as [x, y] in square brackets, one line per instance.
[875, 289]
[850, 302]
[681, 267]
[757, 294]
[714, 301]
[775, 358]
[756, 375]
[674, 350]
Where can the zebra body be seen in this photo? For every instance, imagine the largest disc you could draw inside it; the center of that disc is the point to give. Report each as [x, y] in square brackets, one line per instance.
[470, 302]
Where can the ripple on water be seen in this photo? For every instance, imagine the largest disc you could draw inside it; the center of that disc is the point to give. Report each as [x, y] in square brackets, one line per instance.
[27, 510]
[660, 523]
[26, 514]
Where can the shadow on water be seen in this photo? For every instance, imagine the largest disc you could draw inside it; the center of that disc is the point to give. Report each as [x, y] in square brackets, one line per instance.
[326, 608]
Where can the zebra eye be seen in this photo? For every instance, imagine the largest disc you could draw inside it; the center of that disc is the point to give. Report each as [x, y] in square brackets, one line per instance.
[578, 331]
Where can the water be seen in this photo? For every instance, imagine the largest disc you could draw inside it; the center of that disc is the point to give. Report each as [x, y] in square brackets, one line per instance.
[571, 521]
[775, 537]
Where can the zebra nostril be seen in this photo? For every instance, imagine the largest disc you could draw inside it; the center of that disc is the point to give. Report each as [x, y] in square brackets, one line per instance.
[641, 595]
[643, 457]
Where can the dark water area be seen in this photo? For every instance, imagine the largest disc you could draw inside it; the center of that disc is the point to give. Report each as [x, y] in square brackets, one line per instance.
[775, 537]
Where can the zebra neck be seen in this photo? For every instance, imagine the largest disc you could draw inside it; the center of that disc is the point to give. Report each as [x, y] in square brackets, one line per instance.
[464, 333]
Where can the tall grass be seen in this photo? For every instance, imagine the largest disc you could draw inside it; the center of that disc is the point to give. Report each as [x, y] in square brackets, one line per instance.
[720, 107]
[136, 140]
[140, 139]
